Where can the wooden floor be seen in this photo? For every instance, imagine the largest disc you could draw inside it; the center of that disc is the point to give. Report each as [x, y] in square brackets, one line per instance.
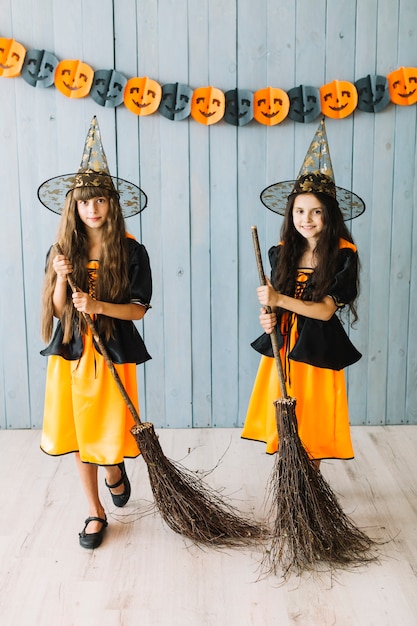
[146, 575]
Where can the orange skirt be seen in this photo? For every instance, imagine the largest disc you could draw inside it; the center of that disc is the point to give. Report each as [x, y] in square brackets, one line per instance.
[84, 410]
[321, 407]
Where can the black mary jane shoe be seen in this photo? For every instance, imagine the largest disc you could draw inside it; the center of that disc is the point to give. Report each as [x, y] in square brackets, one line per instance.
[92, 540]
[122, 498]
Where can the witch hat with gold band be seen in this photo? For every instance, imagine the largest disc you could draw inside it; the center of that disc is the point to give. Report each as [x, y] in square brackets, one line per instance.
[315, 176]
[93, 172]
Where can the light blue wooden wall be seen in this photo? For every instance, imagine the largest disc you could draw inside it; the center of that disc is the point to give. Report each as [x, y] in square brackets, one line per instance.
[203, 184]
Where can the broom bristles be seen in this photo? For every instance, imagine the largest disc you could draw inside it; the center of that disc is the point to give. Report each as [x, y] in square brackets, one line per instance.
[189, 507]
[309, 528]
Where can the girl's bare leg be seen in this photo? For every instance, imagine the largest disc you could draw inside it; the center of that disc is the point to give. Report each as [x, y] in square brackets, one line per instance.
[113, 475]
[89, 481]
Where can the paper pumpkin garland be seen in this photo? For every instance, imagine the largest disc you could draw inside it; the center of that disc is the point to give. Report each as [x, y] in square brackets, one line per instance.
[338, 99]
[108, 88]
[207, 105]
[271, 105]
[304, 103]
[73, 78]
[142, 95]
[39, 68]
[175, 101]
[238, 107]
[403, 86]
[12, 55]
[373, 93]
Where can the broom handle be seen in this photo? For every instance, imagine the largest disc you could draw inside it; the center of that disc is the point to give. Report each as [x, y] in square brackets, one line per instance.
[274, 336]
[103, 350]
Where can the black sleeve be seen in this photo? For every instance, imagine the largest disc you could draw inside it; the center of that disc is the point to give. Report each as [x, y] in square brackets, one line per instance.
[140, 275]
[274, 254]
[343, 289]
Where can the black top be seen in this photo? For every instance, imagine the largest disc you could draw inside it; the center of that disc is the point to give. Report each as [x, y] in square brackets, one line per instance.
[126, 345]
[321, 343]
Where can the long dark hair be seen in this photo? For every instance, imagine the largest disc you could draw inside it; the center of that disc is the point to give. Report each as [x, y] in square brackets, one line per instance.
[112, 279]
[325, 253]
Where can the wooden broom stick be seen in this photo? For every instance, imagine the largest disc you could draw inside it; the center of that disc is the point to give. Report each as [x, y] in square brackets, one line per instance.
[187, 505]
[103, 351]
[274, 336]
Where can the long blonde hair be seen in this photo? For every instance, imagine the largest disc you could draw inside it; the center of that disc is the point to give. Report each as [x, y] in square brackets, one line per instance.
[112, 278]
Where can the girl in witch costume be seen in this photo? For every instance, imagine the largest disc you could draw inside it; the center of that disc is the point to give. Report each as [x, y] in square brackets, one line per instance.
[84, 411]
[314, 275]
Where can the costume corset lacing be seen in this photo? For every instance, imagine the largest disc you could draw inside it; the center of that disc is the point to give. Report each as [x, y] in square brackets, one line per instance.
[303, 275]
[92, 268]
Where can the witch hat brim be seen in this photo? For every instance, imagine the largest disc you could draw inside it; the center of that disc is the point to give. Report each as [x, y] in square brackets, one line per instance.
[315, 176]
[93, 172]
[275, 198]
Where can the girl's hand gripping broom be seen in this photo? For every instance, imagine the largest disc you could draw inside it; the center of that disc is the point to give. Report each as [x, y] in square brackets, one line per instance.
[310, 529]
[185, 503]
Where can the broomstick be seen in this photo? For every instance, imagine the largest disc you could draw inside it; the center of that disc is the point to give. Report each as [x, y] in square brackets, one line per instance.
[185, 503]
[310, 528]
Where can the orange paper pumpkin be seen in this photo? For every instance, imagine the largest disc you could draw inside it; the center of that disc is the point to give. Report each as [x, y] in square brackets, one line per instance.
[338, 99]
[12, 55]
[402, 85]
[207, 105]
[270, 105]
[142, 95]
[73, 78]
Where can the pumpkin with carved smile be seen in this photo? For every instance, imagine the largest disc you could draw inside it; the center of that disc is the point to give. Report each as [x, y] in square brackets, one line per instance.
[402, 84]
[373, 94]
[207, 106]
[338, 99]
[176, 101]
[39, 68]
[304, 103]
[142, 95]
[73, 78]
[108, 88]
[12, 55]
[271, 105]
[238, 107]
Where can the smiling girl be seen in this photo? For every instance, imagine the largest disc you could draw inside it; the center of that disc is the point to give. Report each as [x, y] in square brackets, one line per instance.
[84, 411]
[314, 275]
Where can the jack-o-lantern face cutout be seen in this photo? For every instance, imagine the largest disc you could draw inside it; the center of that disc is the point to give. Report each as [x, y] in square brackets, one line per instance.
[239, 107]
[402, 85]
[108, 88]
[271, 105]
[304, 103]
[39, 68]
[175, 101]
[207, 106]
[338, 99]
[142, 95]
[73, 78]
[12, 55]
[373, 94]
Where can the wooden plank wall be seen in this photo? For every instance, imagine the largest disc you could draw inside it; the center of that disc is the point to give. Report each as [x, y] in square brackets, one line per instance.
[203, 184]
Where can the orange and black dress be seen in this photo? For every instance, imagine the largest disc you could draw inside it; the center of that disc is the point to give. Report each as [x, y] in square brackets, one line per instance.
[84, 411]
[313, 354]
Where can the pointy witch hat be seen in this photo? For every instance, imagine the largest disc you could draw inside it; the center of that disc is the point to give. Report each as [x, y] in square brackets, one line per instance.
[93, 172]
[315, 176]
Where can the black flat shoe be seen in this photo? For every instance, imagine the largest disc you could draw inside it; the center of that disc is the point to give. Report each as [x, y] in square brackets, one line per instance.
[122, 498]
[92, 540]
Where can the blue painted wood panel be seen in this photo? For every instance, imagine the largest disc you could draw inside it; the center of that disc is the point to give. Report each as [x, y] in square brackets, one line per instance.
[203, 184]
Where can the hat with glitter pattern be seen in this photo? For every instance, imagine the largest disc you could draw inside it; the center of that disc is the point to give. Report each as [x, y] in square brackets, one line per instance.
[93, 172]
[315, 176]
